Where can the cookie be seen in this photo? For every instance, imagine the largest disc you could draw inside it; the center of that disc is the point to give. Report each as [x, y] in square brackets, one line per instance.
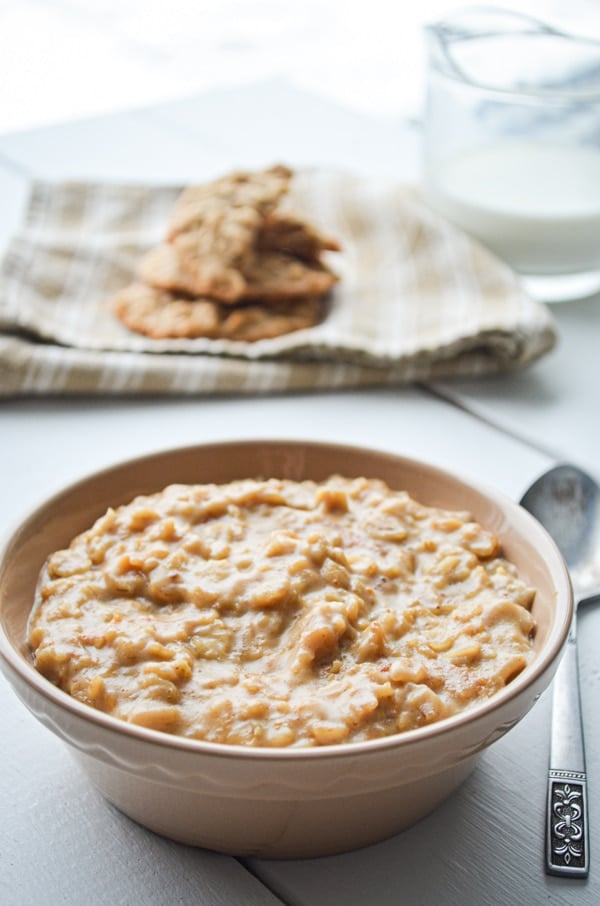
[260, 322]
[218, 223]
[289, 233]
[276, 275]
[258, 191]
[233, 265]
[162, 315]
[228, 234]
[264, 275]
[174, 267]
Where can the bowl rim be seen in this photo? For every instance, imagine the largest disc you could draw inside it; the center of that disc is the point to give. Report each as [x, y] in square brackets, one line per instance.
[13, 661]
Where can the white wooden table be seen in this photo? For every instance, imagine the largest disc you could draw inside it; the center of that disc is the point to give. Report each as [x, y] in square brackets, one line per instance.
[59, 841]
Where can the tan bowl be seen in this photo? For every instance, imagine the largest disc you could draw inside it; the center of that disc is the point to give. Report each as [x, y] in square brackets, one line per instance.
[265, 802]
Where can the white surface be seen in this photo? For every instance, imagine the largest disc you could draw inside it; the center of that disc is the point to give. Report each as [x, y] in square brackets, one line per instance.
[14, 188]
[200, 137]
[483, 846]
[553, 405]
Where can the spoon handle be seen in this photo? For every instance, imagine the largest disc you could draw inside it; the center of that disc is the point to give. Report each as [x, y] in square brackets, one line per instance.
[567, 848]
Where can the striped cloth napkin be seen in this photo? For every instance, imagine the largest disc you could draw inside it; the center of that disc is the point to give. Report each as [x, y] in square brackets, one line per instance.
[417, 299]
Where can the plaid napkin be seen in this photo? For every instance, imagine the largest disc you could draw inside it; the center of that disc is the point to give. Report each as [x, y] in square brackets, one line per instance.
[417, 299]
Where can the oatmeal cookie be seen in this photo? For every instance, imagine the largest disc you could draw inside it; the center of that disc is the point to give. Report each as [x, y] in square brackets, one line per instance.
[218, 227]
[233, 265]
[177, 268]
[264, 275]
[160, 314]
[276, 275]
[259, 191]
[286, 232]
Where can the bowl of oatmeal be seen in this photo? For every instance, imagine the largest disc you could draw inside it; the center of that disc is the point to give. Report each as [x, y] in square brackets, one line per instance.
[279, 648]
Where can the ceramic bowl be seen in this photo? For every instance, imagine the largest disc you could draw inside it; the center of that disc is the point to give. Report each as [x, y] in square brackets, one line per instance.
[267, 802]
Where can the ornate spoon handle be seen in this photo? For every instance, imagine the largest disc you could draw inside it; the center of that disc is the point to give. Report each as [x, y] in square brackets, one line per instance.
[567, 848]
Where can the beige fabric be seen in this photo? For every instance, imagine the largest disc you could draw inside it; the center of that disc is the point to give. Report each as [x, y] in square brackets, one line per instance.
[417, 299]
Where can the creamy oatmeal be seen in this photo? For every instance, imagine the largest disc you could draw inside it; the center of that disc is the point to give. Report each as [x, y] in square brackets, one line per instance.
[278, 613]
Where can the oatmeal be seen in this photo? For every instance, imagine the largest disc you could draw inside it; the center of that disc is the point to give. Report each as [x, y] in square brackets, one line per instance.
[281, 613]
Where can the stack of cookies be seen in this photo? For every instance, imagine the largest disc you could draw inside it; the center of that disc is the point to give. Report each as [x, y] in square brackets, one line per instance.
[234, 265]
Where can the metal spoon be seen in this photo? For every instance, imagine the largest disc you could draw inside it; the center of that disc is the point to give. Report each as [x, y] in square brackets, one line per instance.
[567, 503]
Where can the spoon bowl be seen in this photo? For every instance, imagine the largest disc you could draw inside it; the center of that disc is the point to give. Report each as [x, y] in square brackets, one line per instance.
[566, 500]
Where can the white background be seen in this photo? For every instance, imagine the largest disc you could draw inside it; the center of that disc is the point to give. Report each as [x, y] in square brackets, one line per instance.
[62, 59]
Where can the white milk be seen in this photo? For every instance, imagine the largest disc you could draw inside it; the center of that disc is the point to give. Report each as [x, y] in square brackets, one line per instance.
[537, 206]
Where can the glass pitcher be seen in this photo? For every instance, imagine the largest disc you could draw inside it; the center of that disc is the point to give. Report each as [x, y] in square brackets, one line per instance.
[512, 144]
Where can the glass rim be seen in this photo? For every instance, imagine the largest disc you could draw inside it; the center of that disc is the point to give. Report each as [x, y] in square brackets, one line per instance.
[447, 30]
